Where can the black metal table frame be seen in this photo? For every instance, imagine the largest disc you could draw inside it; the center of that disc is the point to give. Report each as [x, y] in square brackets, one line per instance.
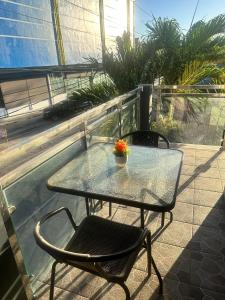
[124, 201]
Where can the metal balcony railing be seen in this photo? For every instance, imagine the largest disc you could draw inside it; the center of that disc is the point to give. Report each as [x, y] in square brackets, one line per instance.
[189, 114]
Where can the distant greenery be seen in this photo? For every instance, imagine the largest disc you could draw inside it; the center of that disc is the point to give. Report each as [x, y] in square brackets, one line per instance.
[188, 58]
[97, 93]
[126, 66]
[82, 99]
[169, 55]
[166, 126]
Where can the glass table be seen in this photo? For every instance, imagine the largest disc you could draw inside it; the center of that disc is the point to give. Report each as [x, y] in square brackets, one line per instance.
[148, 181]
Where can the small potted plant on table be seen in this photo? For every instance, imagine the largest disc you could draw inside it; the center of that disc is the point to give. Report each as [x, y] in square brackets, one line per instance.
[121, 152]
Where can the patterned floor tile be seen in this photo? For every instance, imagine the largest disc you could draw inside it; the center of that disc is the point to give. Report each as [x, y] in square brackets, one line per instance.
[120, 215]
[139, 285]
[43, 294]
[175, 290]
[209, 184]
[222, 173]
[171, 260]
[177, 234]
[208, 271]
[208, 172]
[188, 152]
[191, 267]
[204, 162]
[186, 182]
[189, 160]
[206, 153]
[221, 163]
[104, 212]
[77, 281]
[203, 171]
[209, 198]
[209, 240]
[188, 170]
[182, 212]
[186, 196]
[209, 216]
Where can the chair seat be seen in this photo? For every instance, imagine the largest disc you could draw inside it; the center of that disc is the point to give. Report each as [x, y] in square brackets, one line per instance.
[98, 236]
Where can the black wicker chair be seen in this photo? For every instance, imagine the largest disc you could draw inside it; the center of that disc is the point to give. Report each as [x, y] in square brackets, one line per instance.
[150, 139]
[146, 138]
[101, 247]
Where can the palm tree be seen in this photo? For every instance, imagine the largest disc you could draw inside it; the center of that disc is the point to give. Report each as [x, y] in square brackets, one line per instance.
[126, 65]
[188, 58]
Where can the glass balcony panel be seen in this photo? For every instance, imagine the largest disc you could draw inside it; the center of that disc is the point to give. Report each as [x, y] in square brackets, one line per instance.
[190, 119]
[32, 199]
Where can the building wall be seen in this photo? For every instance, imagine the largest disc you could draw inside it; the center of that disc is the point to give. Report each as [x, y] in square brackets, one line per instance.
[27, 32]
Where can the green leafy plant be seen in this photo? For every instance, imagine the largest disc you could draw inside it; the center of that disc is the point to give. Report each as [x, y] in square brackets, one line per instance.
[126, 66]
[82, 99]
[165, 126]
[97, 93]
[189, 58]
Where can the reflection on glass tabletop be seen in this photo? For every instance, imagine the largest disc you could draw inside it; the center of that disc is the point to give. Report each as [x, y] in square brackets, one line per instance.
[148, 180]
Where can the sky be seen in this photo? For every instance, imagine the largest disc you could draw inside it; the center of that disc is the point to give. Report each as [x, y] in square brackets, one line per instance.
[181, 10]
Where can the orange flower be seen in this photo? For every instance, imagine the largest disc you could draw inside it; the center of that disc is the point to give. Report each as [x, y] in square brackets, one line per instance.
[121, 147]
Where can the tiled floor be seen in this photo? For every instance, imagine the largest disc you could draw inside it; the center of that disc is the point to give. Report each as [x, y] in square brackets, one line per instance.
[190, 252]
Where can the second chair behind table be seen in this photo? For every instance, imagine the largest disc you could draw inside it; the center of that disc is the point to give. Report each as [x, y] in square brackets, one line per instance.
[146, 138]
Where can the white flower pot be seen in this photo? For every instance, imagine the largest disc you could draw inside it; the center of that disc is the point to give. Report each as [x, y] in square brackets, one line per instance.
[121, 160]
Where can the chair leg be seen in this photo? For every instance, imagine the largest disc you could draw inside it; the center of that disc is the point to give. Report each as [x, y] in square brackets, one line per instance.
[159, 277]
[171, 217]
[142, 218]
[110, 209]
[163, 219]
[149, 256]
[51, 295]
[92, 207]
[126, 290]
[87, 206]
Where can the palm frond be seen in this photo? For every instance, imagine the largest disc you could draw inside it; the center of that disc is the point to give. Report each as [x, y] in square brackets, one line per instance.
[196, 71]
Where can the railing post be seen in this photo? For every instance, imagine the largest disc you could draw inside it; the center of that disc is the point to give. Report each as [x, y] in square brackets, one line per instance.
[119, 107]
[102, 28]
[146, 91]
[50, 96]
[223, 140]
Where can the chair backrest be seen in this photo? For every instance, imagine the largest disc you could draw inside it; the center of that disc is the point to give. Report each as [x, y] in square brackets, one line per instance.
[66, 256]
[146, 138]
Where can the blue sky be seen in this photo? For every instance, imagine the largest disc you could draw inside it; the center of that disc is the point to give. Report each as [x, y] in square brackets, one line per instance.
[182, 10]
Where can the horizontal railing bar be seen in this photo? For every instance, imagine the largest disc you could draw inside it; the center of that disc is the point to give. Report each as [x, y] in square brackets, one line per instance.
[33, 163]
[31, 102]
[79, 76]
[217, 95]
[186, 87]
[15, 73]
[131, 102]
[52, 90]
[19, 172]
[71, 123]
[95, 124]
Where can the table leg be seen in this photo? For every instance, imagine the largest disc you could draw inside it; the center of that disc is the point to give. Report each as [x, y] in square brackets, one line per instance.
[110, 209]
[142, 218]
[87, 206]
[163, 219]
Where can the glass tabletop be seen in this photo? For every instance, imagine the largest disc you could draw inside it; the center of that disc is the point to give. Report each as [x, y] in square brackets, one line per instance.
[149, 180]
